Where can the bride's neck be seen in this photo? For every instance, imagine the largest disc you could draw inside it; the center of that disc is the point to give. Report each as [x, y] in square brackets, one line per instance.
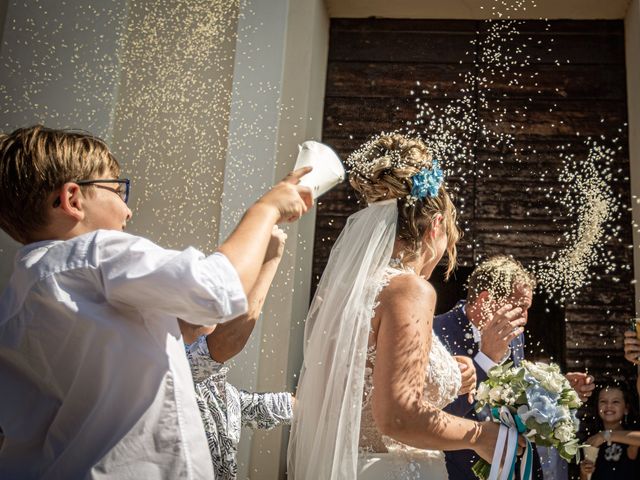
[423, 264]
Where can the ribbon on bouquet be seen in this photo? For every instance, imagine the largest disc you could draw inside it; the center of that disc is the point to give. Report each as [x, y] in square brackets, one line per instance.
[507, 446]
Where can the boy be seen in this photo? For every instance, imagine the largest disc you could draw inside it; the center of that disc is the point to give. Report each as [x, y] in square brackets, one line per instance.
[94, 377]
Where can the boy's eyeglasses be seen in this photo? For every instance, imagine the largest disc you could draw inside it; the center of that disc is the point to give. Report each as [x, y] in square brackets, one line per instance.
[122, 191]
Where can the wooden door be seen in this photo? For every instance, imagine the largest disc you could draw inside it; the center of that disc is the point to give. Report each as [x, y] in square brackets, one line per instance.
[572, 85]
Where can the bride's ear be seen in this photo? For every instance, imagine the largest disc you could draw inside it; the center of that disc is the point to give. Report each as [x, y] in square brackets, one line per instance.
[437, 225]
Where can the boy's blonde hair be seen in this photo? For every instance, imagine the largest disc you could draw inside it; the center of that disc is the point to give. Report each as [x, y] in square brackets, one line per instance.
[34, 162]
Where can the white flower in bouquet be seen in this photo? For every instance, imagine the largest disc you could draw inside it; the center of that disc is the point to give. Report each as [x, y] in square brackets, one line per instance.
[482, 394]
[495, 394]
[564, 432]
[548, 376]
[508, 395]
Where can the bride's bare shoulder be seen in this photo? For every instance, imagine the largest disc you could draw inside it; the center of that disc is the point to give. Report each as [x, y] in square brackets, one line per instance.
[408, 287]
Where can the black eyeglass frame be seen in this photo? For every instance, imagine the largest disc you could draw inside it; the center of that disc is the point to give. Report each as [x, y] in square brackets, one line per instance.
[125, 181]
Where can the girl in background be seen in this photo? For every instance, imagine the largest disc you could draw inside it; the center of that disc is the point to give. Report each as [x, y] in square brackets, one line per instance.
[618, 454]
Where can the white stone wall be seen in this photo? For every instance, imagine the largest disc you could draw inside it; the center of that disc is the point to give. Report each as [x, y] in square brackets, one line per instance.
[632, 44]
[202, 120]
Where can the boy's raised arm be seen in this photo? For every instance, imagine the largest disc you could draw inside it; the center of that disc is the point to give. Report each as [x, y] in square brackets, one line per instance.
[246, 246]
[228, 339]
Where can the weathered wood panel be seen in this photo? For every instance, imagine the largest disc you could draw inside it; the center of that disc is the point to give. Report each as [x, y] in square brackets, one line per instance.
[578, 82]
[367, 79]
[402, 46]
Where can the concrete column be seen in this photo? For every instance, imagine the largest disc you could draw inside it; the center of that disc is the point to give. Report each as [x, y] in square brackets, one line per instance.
[303, 86]
[59, 65]
[278, 93]
[632, 51]
[250, 158]
[632, 48]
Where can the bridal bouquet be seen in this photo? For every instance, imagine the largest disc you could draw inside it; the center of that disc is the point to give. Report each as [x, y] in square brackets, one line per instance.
[538, 401]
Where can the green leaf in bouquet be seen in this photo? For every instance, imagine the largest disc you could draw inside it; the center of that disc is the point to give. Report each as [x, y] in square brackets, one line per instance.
[571, 399]
[545, 429]
[499, 371]
[532, 424]
[545, 442]
[482, 469]
[570, 450]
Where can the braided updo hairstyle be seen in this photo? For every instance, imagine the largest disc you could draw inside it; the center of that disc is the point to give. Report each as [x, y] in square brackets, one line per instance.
[382, 169]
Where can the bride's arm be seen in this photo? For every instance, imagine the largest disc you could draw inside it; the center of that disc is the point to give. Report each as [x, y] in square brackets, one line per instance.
[404, 332]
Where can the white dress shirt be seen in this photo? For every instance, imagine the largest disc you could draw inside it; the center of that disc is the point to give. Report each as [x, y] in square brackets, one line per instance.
[95, 381]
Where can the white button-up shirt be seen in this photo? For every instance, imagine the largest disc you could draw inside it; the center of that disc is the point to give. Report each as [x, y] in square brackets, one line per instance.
[93, 374]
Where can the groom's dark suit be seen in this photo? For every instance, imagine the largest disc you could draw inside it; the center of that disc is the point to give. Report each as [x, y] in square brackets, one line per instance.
[454, 330]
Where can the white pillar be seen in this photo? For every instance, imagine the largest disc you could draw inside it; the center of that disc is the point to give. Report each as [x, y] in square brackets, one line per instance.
[278, 94]
[632, 48]
[172, 117]
[303, 87]
[54, 71]
[250, 161]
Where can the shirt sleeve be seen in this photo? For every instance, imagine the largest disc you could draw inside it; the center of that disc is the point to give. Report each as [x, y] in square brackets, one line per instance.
[186, 284]
[201, 364]
[486, 363]
[265, 410]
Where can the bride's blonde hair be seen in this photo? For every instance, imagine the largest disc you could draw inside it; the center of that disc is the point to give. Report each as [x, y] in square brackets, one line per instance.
[383, 169]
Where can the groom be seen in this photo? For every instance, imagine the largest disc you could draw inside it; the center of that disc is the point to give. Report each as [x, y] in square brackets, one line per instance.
[491, 334]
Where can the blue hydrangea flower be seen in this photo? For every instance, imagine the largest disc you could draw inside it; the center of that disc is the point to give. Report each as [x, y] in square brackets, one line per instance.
[543, 406]
[427, 182]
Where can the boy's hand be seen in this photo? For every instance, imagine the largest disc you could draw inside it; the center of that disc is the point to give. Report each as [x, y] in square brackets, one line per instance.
[275, 249]
[290, 200]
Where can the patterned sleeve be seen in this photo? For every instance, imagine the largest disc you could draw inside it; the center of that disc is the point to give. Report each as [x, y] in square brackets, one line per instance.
[266, 410]
[201, 363]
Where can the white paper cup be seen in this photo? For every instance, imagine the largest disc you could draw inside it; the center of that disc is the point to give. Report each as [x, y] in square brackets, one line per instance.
[591, 453]
[327, 168]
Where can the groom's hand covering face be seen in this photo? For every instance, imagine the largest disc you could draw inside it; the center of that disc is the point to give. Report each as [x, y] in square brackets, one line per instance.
[522, 297]
[503, 321]
[498, 332]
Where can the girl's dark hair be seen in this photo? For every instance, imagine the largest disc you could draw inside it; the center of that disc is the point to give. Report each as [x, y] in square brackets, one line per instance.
[629, 420]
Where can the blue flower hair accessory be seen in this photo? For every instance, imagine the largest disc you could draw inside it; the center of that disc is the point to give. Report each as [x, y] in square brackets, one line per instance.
[427, 182]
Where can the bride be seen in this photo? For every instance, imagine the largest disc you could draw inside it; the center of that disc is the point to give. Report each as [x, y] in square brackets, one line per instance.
[374, 378]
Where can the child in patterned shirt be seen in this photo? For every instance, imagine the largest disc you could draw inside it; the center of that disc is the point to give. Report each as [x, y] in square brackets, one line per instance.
[224, 408]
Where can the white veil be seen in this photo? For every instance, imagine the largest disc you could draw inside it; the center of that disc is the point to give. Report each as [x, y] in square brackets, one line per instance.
[326, 424]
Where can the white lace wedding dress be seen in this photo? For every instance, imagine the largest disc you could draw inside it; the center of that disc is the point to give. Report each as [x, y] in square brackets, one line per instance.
[382, 458]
